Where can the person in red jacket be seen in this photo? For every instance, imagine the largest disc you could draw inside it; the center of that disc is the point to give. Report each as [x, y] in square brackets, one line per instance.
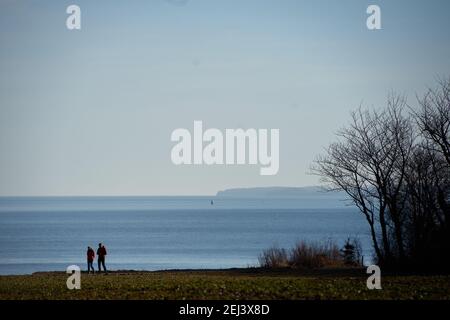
[90, 259]
[101, 253]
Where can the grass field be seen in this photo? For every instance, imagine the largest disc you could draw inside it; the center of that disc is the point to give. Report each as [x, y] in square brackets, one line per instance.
[225, 284]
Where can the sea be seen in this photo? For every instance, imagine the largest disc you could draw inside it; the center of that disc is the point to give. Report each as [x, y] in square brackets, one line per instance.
[161, 233]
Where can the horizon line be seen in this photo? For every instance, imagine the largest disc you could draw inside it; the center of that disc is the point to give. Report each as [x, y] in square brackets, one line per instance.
[145, 195]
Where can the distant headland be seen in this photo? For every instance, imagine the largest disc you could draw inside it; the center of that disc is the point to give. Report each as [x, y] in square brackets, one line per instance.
[280, 192]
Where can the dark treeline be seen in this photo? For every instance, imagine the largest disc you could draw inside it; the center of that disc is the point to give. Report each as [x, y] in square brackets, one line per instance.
[394, 164]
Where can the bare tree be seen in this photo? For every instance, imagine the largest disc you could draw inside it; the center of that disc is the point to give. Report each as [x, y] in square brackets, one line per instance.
[427, 185]
[395, 167]
[368, 163]
[433, 117]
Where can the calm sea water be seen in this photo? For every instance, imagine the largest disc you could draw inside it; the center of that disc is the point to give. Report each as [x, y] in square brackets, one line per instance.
[152, 233]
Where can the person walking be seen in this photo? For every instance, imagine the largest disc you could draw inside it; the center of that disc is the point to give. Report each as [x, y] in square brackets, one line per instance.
[90, 259]
[101, 253]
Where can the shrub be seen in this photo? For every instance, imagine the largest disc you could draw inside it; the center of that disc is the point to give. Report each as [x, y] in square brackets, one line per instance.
[351, 252]
[312, 255]
[315, 255]
[274, 258]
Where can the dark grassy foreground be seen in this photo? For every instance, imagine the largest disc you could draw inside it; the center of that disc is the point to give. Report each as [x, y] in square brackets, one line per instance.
[225, 284]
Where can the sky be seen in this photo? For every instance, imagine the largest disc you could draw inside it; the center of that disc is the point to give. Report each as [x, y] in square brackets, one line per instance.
[91, 111]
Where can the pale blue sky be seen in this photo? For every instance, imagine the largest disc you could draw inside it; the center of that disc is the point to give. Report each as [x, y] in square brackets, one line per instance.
[90, 112]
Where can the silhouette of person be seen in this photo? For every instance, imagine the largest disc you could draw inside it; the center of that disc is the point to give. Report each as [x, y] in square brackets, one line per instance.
[90, 259]
[101, 253]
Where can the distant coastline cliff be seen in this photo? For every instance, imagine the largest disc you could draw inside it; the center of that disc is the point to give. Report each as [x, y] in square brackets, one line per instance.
[301, 197]
[280, 192]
